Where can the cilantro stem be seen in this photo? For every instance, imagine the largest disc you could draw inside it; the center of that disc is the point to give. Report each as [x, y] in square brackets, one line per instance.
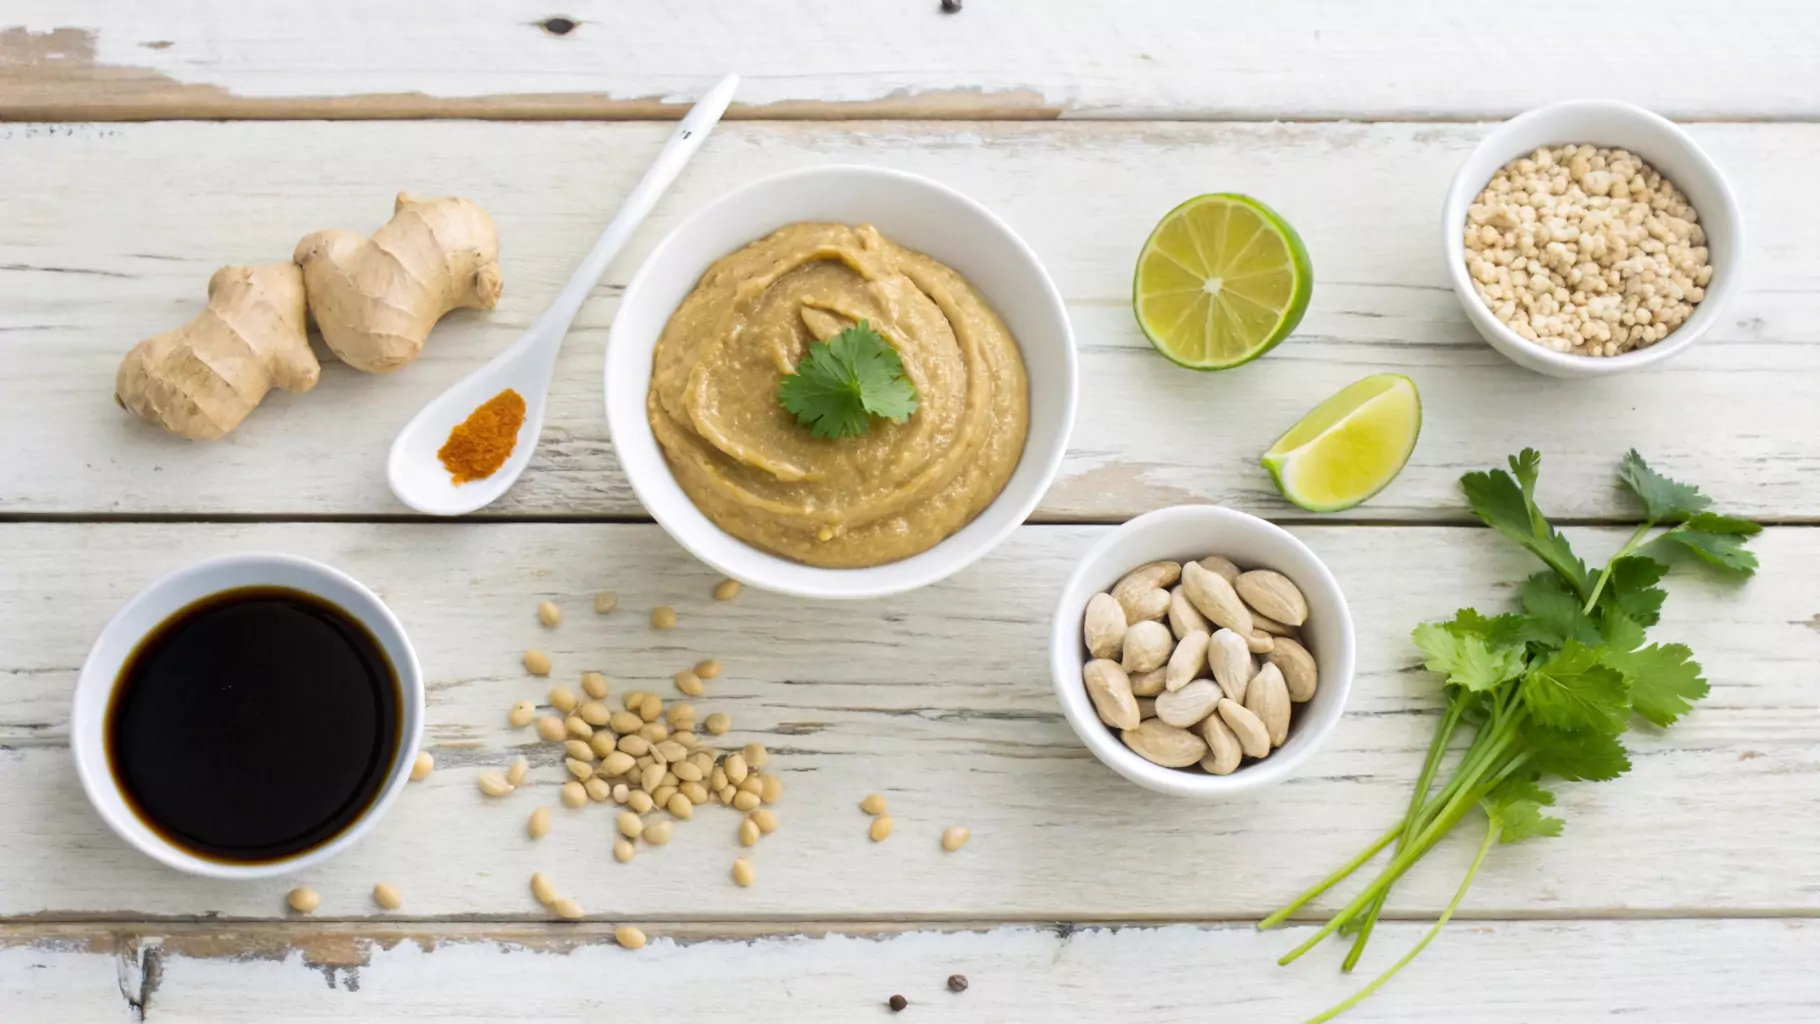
[1491, 836]
[1605, 574]
[1330, 881]
[1464, 799]
[1436, 751]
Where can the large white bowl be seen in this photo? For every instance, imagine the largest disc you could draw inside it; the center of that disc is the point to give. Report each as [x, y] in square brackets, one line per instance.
[1181, 534]
[916, 212]
[1601, 123]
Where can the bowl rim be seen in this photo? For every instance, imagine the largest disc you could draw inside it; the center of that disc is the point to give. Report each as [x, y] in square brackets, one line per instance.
[1067, 655]
[1527, 353]
[92, 695]
[850, 584]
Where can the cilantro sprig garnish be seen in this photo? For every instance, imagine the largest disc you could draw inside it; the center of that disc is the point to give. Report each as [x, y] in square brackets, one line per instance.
[1549, 690]
[842, 383]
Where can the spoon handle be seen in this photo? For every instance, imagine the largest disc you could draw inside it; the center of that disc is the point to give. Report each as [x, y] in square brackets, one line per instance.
[688, 137]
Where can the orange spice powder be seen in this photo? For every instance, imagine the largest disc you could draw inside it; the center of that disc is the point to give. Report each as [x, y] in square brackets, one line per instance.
[482, 443]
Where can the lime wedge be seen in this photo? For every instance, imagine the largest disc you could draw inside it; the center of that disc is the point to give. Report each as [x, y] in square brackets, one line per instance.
[1221, 281]
[1349, 447]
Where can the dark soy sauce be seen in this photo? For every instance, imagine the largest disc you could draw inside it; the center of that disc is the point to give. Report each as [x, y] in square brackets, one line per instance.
[254, 725]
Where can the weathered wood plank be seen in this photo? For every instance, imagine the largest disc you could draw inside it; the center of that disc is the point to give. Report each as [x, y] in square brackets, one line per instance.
[1660, 971]
[88, 266]
[942, 701]
[1179, 59]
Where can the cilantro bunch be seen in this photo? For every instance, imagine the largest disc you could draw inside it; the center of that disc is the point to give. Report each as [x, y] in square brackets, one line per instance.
[1547, 691]
[843, 382]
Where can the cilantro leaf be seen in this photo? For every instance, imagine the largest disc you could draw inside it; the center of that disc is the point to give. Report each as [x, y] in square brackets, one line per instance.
[1575, 756]
[1509, 630]
[1515, 808]
[1620, 631]
[1664, 680]
[1467, 661]
[1554, 612]
[1715, 538]
[1573, 692]
[1509, 506]
[1664, 500]
[843, 382]
[1632, 589]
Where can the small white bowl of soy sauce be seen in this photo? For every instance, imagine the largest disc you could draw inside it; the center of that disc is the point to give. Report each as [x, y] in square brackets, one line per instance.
[248, 716]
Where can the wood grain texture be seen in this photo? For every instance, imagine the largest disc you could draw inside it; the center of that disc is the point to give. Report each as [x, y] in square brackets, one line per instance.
[1665, 972]
[88, 265]
[89, 60]
[940, 700]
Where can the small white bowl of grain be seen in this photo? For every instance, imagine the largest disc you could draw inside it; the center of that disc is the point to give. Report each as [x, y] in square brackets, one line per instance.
[1591, 237]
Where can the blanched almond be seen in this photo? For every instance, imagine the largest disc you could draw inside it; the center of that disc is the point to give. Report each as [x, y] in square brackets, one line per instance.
[1149, 684]
[1223, 753]
[1273, 594]
[1158, 742]
[1141, 591]
[1298, 667]
[1267, 697]
[1104, 626]
[1253, 738]
[1259, 642]
[1214, 597]
[1220, 566]
[1186, 663]
[1110, 689]
[1186, 707]
[1272, 626]
[1147, 646]
[1184, 618]
[1229, 659]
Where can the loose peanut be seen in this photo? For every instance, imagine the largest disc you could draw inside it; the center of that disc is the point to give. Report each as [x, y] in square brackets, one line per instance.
[387, 895]
[537, 662]
[605, 601]
[574, 795]
[521, 714]
[550, 729]
[663, 617]
[422, 766]
[305, 900]
[494, 784]
[954, 837]
[874, 803]
[568, 909]
[623, 849]
[629, 937]
[765, 820]
[515, 772]
[881, 827]
[543, 888]
[708, 669]
[594, 684]
[742, 872]
[748, 832]
[717, 724]
[540, 823]
[658, 832]
[726, 590]
[549, 614]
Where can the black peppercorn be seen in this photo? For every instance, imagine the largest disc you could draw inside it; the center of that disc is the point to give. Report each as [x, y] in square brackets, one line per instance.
[558, 26]
[897, 1003]
[951, 6]
[957, 983]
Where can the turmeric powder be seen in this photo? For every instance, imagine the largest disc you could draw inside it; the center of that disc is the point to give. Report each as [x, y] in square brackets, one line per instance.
[482, 443]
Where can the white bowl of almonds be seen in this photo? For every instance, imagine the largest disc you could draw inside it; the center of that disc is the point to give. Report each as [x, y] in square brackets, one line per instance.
[1201, 651]
[1591, 237]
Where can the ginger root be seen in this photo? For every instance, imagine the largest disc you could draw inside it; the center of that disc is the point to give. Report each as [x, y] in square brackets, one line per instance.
[375, 299]
[200, 380]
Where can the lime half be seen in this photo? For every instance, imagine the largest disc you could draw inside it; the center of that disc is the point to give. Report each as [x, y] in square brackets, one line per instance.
[1221, 281]
[1349, 447]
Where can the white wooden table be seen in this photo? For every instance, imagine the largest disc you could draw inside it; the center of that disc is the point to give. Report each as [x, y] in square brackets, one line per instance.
[1687, 891]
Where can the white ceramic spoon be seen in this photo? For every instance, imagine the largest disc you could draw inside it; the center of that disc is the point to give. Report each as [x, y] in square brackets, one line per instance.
[417, 476]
